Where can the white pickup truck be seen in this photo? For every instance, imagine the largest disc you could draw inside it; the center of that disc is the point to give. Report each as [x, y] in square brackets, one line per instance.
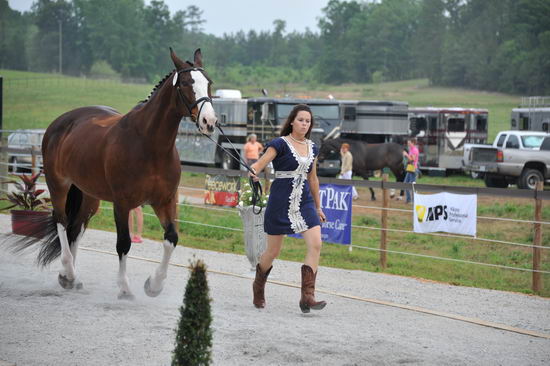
[515, 157]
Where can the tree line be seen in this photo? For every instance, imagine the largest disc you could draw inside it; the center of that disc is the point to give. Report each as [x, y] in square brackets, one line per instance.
[499, 45]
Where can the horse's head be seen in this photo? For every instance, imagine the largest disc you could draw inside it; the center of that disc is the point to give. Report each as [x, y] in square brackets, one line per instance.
[193, 89]
[330, 149]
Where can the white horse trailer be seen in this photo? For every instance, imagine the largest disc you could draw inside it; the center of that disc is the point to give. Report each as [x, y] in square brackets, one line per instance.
[239, 117]
[374, 121]
[442, 132]
[533, 115]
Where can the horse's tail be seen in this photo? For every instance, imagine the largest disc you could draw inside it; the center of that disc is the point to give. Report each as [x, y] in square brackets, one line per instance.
[44, 231]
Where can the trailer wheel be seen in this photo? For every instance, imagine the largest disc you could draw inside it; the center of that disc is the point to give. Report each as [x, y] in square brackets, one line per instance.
[529, 179]
[228, 163]
[495, 182]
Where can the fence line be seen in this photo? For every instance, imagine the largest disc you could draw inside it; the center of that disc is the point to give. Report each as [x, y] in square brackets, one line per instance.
[538, 195]
[450, 236]
[375, 249]
[410, 211]
[452, 259]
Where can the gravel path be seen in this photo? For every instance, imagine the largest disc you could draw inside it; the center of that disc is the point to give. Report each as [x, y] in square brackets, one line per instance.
[42, 324]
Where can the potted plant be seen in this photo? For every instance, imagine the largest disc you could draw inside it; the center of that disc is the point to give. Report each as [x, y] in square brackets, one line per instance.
[29, 207]
[255, 239]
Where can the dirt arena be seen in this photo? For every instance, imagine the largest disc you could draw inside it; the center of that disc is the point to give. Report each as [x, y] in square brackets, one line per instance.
[370, 319]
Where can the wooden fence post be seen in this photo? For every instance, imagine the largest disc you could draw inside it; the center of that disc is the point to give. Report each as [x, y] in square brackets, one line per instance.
[537, 241]
[4, 168]
[34, 159]
[384, 221]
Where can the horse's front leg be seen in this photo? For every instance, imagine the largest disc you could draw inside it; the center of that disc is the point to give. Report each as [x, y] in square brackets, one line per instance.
[123, 243]
[166, 214]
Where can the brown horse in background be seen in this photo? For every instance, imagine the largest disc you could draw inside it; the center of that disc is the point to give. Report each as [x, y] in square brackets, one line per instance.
[368, 157]
[95, 153]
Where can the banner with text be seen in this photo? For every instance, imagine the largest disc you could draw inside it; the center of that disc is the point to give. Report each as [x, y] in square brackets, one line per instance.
[336, 204]
[447, 212]
[221, 190]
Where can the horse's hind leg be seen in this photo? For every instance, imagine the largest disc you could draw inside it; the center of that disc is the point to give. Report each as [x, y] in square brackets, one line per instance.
[166, 214]
[87, 209]
[66, 200]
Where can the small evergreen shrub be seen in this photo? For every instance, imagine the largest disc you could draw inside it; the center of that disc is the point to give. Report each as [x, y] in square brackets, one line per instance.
[194, 336]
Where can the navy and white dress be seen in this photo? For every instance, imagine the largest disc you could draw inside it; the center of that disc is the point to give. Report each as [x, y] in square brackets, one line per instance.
[291, 208]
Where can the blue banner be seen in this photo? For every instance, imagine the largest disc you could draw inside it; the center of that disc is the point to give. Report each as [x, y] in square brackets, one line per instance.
[336, 204]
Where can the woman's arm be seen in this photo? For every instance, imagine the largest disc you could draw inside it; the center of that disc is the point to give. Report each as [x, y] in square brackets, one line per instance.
[265, 159]
[314, 187]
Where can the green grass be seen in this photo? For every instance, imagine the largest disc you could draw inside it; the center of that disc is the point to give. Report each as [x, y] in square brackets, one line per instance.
[34, 100]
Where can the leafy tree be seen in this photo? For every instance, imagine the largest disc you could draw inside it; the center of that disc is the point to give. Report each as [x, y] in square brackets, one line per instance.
[13, 29]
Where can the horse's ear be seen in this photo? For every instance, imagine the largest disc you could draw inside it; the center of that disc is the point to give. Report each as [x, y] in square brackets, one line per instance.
[197, 58]
[177, 62]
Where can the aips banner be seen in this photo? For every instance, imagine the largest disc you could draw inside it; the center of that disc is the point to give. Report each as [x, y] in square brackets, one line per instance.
[447, 212]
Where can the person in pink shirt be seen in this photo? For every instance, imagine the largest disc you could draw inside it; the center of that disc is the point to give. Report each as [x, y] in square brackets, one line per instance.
[412, 157]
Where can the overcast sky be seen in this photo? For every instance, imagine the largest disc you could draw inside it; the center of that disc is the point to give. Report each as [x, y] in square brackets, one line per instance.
[230, 16]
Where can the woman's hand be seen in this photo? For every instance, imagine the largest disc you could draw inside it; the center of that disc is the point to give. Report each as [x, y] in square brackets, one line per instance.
[253, 175]
[321, 214]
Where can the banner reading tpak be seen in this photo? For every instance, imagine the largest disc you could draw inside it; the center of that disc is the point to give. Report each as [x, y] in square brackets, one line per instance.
[447, 212]
[336, 204]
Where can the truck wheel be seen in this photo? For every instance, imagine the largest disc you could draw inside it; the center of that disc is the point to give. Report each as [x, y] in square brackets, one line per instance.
[495, 182]
[476, 175]
[529, 179]
[227, 161]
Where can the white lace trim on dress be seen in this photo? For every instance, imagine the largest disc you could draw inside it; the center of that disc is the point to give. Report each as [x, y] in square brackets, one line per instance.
[297, 222]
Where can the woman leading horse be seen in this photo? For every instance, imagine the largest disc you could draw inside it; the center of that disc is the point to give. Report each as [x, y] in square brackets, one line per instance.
[95, 153]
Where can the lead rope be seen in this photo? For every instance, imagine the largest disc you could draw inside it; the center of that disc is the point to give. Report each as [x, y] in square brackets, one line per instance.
[257, 190]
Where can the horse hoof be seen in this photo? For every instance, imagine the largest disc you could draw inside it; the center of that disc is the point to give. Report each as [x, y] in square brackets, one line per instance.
[65, 282]
[373, 199]
[126, 296]
[149, 291]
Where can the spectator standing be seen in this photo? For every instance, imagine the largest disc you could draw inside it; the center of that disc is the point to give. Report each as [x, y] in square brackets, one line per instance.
[412, 165]
[346, 170]
[252, 149]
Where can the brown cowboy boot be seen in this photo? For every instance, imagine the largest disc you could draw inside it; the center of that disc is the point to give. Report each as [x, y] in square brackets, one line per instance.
[258, 287]
[307, 301]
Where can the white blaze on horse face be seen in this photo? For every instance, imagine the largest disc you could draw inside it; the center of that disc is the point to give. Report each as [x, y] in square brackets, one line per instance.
[207, 116]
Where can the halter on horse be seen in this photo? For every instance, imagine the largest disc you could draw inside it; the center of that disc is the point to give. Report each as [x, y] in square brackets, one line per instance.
[95, 153]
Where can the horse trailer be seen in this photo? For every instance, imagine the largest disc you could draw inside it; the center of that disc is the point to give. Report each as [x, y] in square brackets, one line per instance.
[239, 117]
[374, 121]
[442, 132]
[533, 115]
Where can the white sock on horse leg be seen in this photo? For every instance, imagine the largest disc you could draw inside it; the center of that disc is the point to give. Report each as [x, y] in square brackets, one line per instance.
[123, 281]
[66, 256]
[162, 270]
[74, 246]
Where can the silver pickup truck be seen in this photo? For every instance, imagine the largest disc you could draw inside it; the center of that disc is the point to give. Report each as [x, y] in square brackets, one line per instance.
[515, 157]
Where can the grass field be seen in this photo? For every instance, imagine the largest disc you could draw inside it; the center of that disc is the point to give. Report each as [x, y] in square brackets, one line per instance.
[34, 100]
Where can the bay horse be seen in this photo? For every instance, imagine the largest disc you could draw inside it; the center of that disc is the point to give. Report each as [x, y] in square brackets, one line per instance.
[95, 153]
[368, 157]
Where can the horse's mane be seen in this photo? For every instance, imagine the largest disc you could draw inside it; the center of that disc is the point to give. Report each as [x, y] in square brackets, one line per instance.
[156, 88]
